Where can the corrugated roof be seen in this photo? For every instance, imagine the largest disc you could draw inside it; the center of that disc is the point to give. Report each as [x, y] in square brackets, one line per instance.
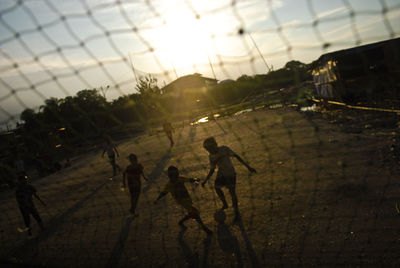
[343, 52]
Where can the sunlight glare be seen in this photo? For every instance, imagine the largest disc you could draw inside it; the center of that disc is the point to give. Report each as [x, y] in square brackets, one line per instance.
[186, 40]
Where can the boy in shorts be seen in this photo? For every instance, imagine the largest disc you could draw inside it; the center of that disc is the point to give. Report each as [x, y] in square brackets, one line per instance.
[24, 193]
[132, 174]
[176, 186]
[168, 129]
[111, 150]
[226, 176]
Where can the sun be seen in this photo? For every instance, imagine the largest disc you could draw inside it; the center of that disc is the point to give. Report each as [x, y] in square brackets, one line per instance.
[188, 42]
[185, 41]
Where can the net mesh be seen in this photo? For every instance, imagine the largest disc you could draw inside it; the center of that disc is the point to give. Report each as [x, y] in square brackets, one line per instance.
[75, 74]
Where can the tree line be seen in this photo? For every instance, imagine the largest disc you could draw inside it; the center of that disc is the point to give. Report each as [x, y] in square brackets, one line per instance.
[88, 118]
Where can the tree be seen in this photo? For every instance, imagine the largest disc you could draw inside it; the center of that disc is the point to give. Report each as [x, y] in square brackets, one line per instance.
[149, 96]
[148, 85]
[90, 99]
[30, 118]
[50, 111]
[295, 65]
[244, 78]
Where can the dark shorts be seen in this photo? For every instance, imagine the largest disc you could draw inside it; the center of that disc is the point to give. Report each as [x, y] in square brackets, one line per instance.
[134, 188]
[228, 182]
[27, 208]
[169, 134]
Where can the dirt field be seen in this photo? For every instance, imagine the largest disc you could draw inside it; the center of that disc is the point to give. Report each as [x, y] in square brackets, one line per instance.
[321, 197]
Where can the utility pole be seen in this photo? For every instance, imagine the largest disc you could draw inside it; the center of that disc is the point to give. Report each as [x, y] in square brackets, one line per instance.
[259, 52]
[212, 69]
[173, 68]
[133, 68]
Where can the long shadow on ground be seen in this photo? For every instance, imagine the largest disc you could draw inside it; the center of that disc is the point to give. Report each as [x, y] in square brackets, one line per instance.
[26, 246]
[249, 247]
[192, 258]
[229, 242]
[157, 171]
[226, 240]
[118, 247]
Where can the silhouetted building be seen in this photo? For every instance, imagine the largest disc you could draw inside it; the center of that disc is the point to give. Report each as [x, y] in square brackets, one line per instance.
[365, 73]
[188, 83]
[226, 81]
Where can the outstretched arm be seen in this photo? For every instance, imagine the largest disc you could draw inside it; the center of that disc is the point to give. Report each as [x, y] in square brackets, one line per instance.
[252, 170]
[115, 149]
[195, 180]
[40, 200]
[144, 177]
[161, 195]
[210, 173]
[192, 180]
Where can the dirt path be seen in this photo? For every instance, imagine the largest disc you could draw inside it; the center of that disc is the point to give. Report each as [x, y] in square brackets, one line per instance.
[320, 197]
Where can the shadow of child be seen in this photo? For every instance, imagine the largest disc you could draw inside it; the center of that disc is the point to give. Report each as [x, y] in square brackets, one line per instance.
[226, 240]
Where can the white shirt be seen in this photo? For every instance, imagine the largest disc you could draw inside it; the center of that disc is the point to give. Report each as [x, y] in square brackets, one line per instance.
[221, 159]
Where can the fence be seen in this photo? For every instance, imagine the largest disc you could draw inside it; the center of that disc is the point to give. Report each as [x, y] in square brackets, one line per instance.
[78, 73]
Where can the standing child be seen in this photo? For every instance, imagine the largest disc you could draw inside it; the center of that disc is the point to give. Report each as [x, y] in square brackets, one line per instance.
[226, 176]
[168, 129]
[176, 186]
[23, 193]
[111, 150]
[132, 175]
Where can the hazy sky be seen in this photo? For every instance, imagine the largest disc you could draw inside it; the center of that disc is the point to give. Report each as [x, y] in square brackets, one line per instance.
[55, 48]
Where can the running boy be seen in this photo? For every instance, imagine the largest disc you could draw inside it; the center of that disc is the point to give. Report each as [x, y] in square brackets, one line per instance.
[177, 188]
[111, 150]
[132, 175]
[226, 176]
[23, 193]
[168, 129]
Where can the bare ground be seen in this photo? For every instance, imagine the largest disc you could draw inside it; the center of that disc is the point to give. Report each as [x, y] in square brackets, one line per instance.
[321, 197]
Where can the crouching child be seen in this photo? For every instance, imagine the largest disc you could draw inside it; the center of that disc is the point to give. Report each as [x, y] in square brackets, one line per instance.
[176, 186]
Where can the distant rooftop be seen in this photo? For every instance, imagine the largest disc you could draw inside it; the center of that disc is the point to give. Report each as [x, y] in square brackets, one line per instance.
[191, 81]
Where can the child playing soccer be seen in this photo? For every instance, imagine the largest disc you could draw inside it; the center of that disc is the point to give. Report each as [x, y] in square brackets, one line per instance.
[111, 150]
[226, 176]
[168, 129]
[132, 175]
[177, 188]
[23, 193]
